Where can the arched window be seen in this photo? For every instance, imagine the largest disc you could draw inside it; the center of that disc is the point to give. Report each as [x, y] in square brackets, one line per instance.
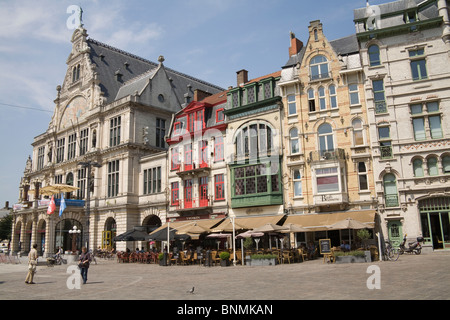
[358, 134]
[446, 164]
[418, 168]
[390, 190]
[374, 55]
[319, 68]
[253, 140]
[293, 135]
[326, 142]
[432, 166]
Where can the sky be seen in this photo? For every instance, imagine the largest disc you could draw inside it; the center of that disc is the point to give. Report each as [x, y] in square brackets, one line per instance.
[207, 39]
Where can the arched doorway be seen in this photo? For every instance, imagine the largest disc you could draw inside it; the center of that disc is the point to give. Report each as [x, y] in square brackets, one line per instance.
[109, 233]
[435, 219]
[64, 239]
[152, 222]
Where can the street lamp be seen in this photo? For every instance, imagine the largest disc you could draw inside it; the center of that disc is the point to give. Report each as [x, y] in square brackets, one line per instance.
[88, 165]
[74, 233]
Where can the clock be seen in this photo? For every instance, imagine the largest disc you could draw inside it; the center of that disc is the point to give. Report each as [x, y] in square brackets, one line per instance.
[73, 112]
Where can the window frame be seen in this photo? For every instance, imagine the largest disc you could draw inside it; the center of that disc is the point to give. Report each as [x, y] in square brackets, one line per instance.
[377, 61]
[219, 187]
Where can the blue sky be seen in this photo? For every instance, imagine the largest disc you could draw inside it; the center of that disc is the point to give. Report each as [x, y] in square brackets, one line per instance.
[208, 39]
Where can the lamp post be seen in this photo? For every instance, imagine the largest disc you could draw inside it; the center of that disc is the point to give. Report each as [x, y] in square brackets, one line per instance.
[74, 232]
[88, 164]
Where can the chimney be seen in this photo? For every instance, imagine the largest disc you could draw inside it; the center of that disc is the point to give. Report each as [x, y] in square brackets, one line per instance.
[242, 77]
[199, 95]
[296, 45]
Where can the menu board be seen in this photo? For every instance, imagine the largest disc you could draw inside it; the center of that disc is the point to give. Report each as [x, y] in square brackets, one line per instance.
[325, 246]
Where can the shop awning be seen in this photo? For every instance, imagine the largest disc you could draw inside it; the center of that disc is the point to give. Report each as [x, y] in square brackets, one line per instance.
[249, 223]
[204, 223]
[322, 221]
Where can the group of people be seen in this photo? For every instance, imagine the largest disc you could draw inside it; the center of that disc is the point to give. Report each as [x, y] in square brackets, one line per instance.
[83, 263]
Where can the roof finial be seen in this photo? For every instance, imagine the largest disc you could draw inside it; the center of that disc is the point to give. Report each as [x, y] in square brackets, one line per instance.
[161, 59]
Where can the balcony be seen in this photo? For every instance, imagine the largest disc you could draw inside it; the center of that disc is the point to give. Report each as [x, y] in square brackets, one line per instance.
[193, 204]
[330, 199]
[192, 169]
[327, 155]
[320, 76]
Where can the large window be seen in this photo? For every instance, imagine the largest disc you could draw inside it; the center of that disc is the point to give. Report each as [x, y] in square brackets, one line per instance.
[390, 190]
[297, 181]
[311, 100]
[40, 158]
[84, 138]
[113, 178]
[81, 183]
[333, 96]
[114, 131]
[71, 146]
[219, 187]
[319, 68]
[160, 132]
[254, 140]
[292, 107]
[175, 193]
[294, 142]
[423, 117]
[362, 176]
[327, 180]
[374, 55]
[152, 180]
[254, 179]
[418, 64]
[379, 96]
[354, 94]
[326, 142]
[418, 168]
[60, 150]
[358, 133]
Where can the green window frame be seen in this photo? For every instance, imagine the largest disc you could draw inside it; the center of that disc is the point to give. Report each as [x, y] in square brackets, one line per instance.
[255, 179]
[418, 64]
[379, 96]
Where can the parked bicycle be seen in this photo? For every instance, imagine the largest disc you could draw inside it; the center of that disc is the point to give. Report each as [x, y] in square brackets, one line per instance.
[390, 252]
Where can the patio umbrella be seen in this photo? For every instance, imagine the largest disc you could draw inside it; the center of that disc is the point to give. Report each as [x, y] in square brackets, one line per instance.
[293, 228]
[56, 188]
[248, 234]
[227, 226]
[135, 234]
[348, 223]
[161, 235]
[270, 227]
[192, 229]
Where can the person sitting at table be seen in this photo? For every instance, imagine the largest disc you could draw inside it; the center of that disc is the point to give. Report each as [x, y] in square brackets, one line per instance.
[345, 246]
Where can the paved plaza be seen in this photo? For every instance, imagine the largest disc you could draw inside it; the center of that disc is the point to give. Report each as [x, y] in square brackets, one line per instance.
[423, 277]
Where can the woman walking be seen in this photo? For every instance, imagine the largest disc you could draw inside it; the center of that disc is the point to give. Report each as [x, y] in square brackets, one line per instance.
[85, 259]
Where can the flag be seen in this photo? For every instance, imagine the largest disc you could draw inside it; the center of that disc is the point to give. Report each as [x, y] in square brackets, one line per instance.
[51, 206]
[62, 206]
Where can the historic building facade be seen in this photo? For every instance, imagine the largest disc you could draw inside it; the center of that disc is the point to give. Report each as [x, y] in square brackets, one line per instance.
[113, 111]
[327, 168]
[405, 54]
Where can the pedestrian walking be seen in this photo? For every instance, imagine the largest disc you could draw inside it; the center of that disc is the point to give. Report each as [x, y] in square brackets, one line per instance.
[85, 259]
[32, 262]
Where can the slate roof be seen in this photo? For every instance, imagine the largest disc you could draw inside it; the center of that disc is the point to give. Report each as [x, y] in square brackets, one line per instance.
[346, 45]
[391, 7]
[134, 73]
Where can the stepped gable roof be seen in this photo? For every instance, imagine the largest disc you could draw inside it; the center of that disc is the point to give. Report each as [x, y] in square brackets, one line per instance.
[134, 72]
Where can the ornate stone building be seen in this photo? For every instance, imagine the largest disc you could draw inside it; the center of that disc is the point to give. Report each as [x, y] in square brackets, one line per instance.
[327, 171]
[405, 56]
[113, 110]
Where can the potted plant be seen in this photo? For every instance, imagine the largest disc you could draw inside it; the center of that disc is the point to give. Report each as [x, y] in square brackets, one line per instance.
[263, 260]
[224, 259]
[162, 259]
[350, 257]
[364, 235]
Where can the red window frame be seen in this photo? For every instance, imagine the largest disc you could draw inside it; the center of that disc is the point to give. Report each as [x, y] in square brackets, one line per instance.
[203, 153]
[175, 193]
[222, 119]
[188, 156]
[218, 148]
[188, 193]
[219, 187]
[203, 191]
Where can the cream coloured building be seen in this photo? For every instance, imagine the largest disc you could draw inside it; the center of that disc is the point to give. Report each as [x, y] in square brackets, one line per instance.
[405, 56]
[112, 109]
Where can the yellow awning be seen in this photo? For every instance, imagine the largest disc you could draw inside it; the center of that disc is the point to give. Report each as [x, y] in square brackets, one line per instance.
[321, 221]
[204, 223]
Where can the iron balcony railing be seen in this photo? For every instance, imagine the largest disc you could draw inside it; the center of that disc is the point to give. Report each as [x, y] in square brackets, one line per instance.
[327, 155]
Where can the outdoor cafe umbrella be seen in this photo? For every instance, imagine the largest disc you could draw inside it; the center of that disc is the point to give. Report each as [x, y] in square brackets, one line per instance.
[227, 226]
[348, 223]
[56, 188]
[270, 227]
[161, 235]
[191, 229]
[293, 228]
[135, 234]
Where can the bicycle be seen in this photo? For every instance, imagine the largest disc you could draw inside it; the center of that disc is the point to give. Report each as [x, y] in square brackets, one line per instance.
[391, 253]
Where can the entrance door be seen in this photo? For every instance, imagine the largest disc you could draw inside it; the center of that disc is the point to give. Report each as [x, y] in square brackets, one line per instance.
[395, 233]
